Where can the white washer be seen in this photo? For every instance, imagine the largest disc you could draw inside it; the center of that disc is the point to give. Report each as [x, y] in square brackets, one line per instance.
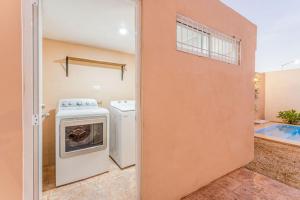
[82, 131]
[122, 141]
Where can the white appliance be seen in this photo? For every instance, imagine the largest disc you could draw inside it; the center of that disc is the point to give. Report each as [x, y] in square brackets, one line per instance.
[81, 139]
[122, 143]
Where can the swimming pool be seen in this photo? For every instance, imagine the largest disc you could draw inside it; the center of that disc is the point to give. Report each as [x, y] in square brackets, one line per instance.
[280, 131]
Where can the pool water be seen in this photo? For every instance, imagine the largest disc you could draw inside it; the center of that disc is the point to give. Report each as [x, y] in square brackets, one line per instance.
[286, 132]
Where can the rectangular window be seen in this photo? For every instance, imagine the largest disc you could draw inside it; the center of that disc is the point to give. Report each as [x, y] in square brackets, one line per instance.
[194, 38]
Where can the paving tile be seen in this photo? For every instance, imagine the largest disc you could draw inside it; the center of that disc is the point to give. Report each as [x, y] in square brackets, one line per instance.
[244, 184]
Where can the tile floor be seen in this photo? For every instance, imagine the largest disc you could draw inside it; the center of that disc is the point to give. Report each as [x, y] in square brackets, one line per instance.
[48, 177]
[116, 184]
[244, 184]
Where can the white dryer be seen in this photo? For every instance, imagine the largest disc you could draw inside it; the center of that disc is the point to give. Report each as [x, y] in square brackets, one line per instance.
[81, 140]
[122, 143]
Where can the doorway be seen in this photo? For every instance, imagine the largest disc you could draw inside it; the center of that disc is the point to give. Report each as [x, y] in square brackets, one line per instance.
[87, 55]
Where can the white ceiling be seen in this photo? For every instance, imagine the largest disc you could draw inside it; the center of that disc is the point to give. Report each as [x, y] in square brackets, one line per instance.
[91, 22]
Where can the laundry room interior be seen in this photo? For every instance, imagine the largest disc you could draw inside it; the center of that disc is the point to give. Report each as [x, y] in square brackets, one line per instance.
[89, 92]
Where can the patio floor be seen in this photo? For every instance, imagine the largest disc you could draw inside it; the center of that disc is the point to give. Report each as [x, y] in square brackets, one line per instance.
[244, 184]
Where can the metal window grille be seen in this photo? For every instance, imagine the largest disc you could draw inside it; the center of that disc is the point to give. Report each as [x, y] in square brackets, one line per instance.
[197, 39]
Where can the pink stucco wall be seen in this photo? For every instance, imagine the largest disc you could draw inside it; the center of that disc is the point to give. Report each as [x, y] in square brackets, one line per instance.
[11, 99]
[282, 92]
[197, 113]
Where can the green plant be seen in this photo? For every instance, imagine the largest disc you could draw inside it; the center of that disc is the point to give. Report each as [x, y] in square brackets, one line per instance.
[289, 116]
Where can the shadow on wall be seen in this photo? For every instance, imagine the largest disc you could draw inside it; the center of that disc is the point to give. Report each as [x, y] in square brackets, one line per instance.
[49, 140]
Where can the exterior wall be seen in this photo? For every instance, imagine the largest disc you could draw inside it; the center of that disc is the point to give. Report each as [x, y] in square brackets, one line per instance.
[83, 82]
[11, 101]
[197, 113]
[260, 97]
[282, 92]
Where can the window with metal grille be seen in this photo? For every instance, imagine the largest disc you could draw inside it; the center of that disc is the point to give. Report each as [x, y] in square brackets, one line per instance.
[194, 38]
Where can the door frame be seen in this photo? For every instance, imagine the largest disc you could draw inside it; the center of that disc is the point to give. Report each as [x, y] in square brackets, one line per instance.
[32, 159]
[31, 177]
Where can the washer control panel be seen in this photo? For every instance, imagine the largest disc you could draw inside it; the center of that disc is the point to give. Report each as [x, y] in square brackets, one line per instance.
[68, 104]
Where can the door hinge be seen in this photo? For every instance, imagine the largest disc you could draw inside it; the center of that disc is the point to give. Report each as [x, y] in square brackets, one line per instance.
[35, 120]
[35, 2]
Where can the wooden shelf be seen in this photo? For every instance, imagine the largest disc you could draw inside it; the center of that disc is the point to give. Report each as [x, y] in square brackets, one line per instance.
[94, 63]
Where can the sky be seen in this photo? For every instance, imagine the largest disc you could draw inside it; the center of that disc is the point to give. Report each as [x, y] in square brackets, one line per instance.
[278, 31]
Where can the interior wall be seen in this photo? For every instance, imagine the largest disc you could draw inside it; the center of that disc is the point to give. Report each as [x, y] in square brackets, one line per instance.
[11, 162]
[260, 96]
[282, 92]
[83, 82]
[197, 112]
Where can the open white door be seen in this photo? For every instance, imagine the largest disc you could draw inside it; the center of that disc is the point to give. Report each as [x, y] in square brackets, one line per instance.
[32, 98]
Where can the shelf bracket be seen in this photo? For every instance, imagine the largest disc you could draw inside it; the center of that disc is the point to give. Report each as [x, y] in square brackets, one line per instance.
[122, 72]
[67, 66]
